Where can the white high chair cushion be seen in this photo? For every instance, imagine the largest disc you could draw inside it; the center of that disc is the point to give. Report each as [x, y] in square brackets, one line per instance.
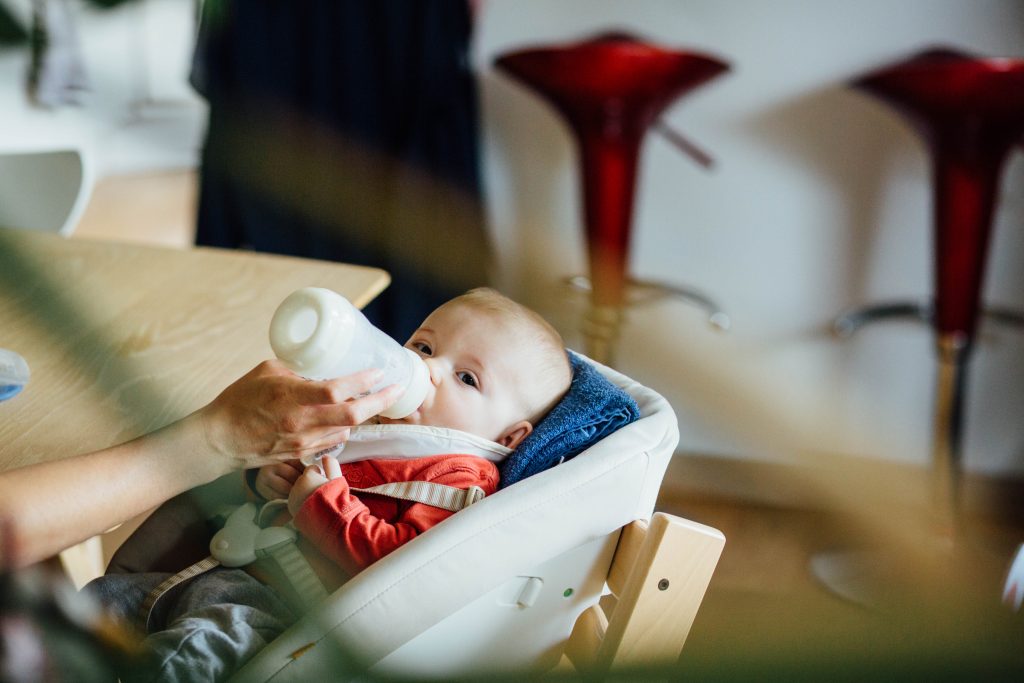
[604, 488]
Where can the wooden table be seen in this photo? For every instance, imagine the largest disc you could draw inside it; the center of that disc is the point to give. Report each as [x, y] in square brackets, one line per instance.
[122, 339]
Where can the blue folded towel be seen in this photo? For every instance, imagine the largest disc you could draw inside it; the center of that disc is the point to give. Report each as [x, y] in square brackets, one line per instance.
[592, 409]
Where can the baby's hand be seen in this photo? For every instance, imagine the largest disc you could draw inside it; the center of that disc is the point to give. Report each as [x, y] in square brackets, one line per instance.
[312, 479]
[276, 481]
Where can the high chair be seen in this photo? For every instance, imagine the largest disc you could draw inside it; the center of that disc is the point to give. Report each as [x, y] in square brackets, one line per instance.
[501, 585]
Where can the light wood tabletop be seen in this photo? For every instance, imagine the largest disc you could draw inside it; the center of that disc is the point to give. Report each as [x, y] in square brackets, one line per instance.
[122, 339]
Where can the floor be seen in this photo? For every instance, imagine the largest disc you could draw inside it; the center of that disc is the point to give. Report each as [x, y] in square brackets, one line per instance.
[157, 208]
[765, 613]
[940, 600]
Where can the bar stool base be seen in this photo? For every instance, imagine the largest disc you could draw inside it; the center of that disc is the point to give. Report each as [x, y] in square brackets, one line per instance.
[863, 577]
[642, 292]
[879, 579]
[919, 311]
[602, 324]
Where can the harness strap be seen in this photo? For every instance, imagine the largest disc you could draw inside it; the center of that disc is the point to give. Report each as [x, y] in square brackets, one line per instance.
[192, 571]
[278, 543]
[428, 492]
[297, 572]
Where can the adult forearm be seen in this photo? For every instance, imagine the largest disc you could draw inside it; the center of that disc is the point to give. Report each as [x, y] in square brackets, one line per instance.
[269, 415]
[53, 505]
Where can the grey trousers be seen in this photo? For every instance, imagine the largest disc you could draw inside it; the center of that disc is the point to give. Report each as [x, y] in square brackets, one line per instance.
[204, 630]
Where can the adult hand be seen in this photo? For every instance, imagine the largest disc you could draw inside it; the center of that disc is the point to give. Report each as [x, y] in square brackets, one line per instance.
[272, 415]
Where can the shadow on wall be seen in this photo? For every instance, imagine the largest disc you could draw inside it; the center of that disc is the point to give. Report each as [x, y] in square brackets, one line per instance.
[540, 160]
[838, 136]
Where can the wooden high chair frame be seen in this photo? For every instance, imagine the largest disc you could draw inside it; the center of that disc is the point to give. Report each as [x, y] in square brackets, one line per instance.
[658, 577]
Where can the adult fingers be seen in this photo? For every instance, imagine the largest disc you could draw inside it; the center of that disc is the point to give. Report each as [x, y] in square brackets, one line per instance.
[316, 439]
[358, 410]
[339, 389]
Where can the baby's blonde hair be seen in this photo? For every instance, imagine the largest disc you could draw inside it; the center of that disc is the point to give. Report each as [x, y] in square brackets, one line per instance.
[554, 372]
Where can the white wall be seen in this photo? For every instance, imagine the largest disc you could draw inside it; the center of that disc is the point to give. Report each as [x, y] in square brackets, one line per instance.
[138, 114]
[820, 200]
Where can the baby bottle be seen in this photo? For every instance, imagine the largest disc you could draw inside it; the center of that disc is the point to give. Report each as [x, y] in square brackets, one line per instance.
[320, 335]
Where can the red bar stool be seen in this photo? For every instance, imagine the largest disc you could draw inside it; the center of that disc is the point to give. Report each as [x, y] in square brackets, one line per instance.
[611, 89]
[970, 111]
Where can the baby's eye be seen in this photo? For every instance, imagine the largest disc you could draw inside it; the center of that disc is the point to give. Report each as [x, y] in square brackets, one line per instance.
[422, 347]
[467, 379]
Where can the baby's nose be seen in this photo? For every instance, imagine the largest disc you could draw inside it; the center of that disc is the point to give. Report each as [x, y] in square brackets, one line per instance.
[434, 368]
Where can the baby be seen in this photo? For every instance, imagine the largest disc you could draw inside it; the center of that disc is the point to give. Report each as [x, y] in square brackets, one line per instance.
[496, 369]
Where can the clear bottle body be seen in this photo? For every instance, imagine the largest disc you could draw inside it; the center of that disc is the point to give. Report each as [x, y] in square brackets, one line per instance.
[319, 334]
[372, 348]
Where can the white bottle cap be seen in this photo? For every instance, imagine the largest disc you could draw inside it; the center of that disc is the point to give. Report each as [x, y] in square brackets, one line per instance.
[415, 391]
[312, 329]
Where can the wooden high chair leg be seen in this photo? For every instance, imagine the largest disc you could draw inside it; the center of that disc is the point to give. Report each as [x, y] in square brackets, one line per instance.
[658, 576]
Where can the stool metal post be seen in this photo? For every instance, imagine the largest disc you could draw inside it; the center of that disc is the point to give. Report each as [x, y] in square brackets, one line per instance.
[947, 432]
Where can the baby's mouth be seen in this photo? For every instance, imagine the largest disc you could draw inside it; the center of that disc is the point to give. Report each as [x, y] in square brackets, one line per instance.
[408, 419]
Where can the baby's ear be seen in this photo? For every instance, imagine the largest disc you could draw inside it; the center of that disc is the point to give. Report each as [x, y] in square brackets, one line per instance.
[515, 434]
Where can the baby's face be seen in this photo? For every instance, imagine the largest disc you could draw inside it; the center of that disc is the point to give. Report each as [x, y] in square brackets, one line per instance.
[477, 364]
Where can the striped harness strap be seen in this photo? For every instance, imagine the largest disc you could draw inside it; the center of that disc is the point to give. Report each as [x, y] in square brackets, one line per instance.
[243, 540]
[428, 492]
[200, 567]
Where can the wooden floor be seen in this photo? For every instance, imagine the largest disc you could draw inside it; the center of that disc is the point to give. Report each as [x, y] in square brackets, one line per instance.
[931, 608]
[766, 614]
[156, 208]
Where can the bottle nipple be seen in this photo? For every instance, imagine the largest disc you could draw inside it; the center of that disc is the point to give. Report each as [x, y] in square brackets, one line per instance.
[415, 390]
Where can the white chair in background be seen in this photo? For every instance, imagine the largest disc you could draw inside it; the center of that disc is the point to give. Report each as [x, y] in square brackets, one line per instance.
[45, 189]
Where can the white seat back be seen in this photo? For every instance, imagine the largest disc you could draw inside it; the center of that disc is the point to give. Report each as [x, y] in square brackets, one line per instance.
[43, 190]
[450, 601]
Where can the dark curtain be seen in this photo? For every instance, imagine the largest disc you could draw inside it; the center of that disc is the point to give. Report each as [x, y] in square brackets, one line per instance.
[346, 130]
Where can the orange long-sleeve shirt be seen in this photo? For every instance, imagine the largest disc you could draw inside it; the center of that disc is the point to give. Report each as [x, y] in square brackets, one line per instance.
[356, 529]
